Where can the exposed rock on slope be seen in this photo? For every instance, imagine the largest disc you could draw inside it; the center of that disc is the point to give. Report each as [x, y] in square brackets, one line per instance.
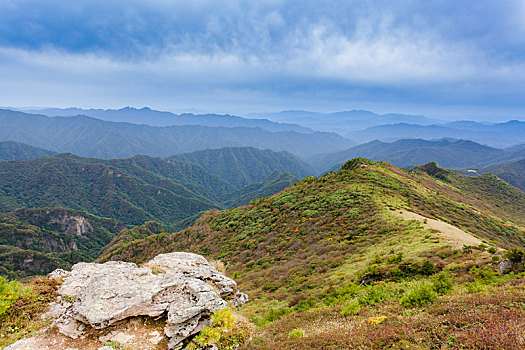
[172, 285]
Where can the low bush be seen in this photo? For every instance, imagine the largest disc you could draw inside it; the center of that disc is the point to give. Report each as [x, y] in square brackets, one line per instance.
[296, 333]
[420, 295]
[442, 283]
[350, 308]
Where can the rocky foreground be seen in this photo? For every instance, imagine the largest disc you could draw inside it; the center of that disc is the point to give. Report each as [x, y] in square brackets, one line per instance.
[181, 289]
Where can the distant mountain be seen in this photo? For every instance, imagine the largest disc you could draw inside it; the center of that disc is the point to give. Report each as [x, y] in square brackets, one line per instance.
[241, 166]
[10, 150]
[346, 121]
[516, 147]
[91, 137]
[513, 173]
[495, 135]
[152, 117]
[412, 152]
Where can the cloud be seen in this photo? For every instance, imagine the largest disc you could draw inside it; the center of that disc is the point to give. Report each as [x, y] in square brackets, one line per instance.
[431, 52]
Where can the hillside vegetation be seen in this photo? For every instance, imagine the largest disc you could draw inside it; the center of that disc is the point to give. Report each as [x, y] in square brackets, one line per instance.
[327, 260]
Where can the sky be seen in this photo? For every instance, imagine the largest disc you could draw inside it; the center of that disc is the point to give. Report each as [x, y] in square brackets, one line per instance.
[441, 58]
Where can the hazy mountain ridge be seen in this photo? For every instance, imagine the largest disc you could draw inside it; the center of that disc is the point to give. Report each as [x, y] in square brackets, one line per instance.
[345, 122]
[152, 117]
[412, 152]
[500, 135]
[91, 137]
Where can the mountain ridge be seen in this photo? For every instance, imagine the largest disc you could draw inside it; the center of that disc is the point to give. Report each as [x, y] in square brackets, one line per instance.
[92, 137]
[153, 117]
[413, 152]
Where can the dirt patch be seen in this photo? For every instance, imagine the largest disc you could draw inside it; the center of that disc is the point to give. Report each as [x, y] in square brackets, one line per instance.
[452, 235]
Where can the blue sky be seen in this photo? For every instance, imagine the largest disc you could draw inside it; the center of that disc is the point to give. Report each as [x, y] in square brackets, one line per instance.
[440, 58]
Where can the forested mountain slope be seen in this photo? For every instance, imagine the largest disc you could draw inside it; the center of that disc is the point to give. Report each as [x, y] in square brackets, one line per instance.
[37, 241]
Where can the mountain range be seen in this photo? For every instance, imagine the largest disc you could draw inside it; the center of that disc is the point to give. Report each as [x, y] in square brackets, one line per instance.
[501, 135]
[92, 137]
[142, 188]
[345, 122]
[152, 117]
[409, 153]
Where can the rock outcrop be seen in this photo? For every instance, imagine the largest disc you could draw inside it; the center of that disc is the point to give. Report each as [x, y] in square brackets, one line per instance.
[178, 286]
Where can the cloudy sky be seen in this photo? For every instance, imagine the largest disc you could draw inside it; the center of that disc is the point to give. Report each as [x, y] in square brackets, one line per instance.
[464, 58]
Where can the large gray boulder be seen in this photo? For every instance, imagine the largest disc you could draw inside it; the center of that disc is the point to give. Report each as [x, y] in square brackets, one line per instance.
[182, 289]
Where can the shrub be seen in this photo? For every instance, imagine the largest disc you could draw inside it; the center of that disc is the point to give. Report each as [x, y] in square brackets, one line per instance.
[373, 295]
[427, 268]
[351, 307]
[305, 304]
[474, 287]
[441, 283]
[296, 333]
[467, 249]
[273, 315]
[483, 273]
[420, 295]
[515, 255]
